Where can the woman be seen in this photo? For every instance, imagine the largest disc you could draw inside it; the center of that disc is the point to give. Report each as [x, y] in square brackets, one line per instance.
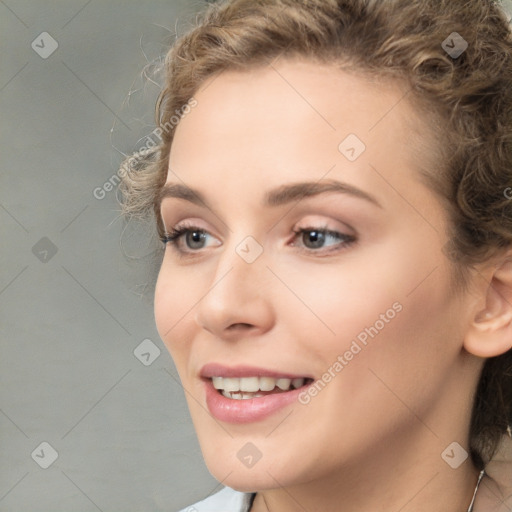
[336, 287]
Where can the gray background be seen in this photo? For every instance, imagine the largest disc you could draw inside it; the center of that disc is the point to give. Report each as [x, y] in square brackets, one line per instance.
[75, 282]
[70, 320]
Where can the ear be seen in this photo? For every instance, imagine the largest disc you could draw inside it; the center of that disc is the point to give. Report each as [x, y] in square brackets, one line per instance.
[490, 331]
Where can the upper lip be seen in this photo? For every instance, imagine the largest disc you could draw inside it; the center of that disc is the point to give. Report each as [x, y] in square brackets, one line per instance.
[219, 370]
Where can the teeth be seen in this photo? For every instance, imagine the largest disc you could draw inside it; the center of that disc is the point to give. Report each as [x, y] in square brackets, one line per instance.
[267, 383]
[298, 383]
[253, 384]
[284, 384]
[231, 385]
[240, 396]
[217, 382]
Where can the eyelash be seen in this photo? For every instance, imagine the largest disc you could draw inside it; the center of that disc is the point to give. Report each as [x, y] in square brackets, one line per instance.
[345, 240]
[177, 233]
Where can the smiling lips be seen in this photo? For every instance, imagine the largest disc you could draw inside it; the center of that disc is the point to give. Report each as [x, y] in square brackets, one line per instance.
[254, 387]
[246, 394]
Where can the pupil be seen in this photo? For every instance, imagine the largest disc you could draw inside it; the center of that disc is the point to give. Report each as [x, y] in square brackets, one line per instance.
[316, 238]
[196, 237]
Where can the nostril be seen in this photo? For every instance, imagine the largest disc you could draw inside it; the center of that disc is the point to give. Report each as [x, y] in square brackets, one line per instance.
[235, 327]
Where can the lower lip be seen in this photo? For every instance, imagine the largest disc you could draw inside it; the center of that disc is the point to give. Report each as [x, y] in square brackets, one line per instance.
[249, 410]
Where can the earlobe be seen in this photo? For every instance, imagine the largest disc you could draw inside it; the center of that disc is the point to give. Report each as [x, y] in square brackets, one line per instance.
[490, 331]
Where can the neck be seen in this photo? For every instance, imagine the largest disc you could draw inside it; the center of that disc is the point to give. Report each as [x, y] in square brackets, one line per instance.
[408, 475]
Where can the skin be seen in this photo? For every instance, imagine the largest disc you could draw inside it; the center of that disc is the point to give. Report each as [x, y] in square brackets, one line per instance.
[372, 439]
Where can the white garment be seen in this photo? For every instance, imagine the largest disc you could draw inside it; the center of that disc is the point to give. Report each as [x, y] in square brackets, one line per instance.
[226, 500]
[494, 493]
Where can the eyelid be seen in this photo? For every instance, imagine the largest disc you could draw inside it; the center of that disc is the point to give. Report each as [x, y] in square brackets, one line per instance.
[178, 232]
[324, 222]
[187, 210]
[187, 222]
[190, 225]
[345, 240]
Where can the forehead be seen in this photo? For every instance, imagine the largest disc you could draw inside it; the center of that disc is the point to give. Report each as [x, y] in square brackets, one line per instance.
[294, 120]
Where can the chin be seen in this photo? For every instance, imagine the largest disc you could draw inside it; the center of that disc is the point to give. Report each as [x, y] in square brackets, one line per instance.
[225, 464]
[245, 479]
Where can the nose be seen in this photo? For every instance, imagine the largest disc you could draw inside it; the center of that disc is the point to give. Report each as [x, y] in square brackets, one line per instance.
[237, 301]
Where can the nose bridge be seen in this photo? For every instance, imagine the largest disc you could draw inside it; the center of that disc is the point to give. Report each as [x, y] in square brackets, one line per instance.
[236, 293]
[241, 269]
[244, 258]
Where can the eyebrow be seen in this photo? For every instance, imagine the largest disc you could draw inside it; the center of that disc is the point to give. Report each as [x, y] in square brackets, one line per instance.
[279, 196]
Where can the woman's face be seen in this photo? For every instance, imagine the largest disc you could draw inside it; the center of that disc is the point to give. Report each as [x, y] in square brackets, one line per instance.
[359, 303]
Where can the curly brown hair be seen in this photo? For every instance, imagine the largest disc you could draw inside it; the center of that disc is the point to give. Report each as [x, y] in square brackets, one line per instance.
[465, 100]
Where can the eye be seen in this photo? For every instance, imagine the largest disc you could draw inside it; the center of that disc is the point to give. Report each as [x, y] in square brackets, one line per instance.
[193, 237]
[314, 238]
[311, 239]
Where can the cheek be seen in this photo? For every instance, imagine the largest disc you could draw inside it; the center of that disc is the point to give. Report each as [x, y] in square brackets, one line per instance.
[380, 312]
[425, 339]
[175, 296]
[367, 290]
[407, 358]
